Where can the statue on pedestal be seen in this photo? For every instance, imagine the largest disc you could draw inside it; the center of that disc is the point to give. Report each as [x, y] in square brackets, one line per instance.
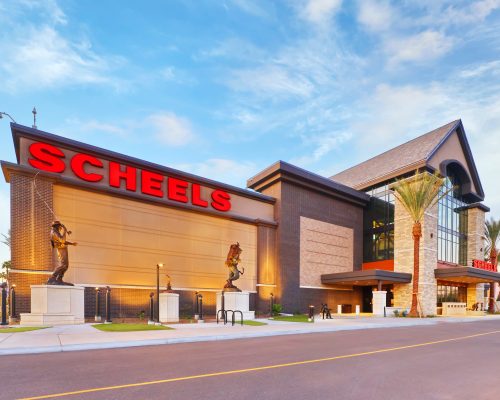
[58, 235]
[232, 260]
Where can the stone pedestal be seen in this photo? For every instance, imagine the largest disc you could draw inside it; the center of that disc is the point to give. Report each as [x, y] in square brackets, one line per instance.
[379, 302]
[55, 305]
[236, 301]
[169, 307]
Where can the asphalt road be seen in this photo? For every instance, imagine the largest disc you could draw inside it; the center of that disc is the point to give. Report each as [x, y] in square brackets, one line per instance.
[445, 361]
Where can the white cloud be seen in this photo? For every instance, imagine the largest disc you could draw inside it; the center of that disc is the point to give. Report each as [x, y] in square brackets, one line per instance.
[250, 7]
[222, 170]
[37, 56]
[320, 12]
[323, 144]
[375, 15]
[170, 129]
[421, 48]
[270, 81]
[492, 67]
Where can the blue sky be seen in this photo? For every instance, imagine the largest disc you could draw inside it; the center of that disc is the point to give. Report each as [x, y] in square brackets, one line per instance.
[225, 88]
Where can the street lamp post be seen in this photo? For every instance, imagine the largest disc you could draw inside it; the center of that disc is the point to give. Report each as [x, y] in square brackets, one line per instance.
[2, 114]
[158, 266]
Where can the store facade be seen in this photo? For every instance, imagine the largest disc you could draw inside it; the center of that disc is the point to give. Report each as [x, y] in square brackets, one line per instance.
[306, 239]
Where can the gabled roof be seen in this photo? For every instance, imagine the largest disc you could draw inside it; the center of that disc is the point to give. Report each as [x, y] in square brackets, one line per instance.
[406, 158]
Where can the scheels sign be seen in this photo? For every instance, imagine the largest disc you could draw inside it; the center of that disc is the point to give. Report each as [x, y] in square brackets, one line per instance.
[88, 168]
[483, 265]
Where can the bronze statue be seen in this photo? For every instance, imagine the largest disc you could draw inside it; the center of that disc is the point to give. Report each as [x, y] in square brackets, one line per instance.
[232, 260]
[58, 235]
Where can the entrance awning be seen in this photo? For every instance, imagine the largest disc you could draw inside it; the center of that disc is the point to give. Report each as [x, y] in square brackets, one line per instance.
[466, 275]
[366, 278]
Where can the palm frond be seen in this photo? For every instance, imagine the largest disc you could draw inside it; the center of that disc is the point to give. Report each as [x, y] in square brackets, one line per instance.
[492, 234]
[419, 192]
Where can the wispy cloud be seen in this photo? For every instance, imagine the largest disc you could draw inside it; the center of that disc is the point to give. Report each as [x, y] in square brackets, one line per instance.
[319, 12]
[375, 15]
[422, 47]
[171, 129]
[39, 56]
[234, 172]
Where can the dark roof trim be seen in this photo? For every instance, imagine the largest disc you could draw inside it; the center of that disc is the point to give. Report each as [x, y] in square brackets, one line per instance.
[35, 134]
[373, 274]
[467, 272]
[459, 127]
[480, 206]
[282, 170]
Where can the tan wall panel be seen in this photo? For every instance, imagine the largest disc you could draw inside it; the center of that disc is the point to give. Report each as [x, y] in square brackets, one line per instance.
[324, 249]
[120, 241]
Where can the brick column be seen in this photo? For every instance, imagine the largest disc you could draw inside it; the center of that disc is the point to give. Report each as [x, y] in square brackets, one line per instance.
[403, 258]
[475, 250]
[30, 230]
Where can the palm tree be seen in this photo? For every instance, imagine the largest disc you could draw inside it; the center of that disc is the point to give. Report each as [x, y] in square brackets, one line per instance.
[6, 238]
[492, 234]
[417, 194]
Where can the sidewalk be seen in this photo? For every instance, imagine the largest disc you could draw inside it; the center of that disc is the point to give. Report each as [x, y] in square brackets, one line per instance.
[85, 337]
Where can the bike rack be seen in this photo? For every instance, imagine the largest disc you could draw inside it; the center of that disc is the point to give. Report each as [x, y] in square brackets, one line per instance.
[224, 316]
[241, 315]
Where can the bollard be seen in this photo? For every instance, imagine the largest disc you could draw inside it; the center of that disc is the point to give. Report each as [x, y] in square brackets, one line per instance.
[108, 305]
[200, 307]
[13, 301]
[311, 314]
[4, 304]
[97, 316]
[151, 307]
[339, 309]
[271, 303]
[357, 310]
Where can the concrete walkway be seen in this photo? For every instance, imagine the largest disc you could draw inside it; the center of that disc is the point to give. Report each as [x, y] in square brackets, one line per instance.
[85, 337]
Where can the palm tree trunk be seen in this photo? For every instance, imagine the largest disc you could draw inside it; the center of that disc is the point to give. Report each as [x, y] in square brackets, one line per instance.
[491, 302]
[417, 234]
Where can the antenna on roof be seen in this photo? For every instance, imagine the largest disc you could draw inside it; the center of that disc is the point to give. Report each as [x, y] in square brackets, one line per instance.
[34, 118]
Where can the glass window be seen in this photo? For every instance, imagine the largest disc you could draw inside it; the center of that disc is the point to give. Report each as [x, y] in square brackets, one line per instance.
[452, 223]
[378, 241]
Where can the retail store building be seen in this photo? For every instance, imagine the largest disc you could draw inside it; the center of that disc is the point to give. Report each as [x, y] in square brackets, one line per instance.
[306, 239]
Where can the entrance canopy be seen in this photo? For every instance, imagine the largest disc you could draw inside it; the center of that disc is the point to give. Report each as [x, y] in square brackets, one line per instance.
[366, 278]
[466, 275]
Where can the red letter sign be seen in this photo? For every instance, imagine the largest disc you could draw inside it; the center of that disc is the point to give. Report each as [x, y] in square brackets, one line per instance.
[221, 200]
[152, 183]
[196, 196]
[47, 157]
[177, 190]
[116, 173]
[77, 166]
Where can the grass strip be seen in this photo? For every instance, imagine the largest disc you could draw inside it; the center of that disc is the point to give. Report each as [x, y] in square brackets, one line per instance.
[22, 329]
[130, 327]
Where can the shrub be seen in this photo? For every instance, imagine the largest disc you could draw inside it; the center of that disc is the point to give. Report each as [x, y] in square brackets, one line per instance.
[277, 309]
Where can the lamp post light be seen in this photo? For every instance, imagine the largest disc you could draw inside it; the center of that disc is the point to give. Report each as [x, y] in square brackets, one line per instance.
[158, 266]
[12, 307]
[97, 316]
[2, 114]
[151, 308]
[4, 304]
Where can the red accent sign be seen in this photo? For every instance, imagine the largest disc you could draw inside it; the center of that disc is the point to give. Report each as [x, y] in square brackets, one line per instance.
[484, 265]
[90, 169]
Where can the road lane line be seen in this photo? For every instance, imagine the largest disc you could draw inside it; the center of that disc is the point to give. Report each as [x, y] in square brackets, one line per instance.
[263, 368]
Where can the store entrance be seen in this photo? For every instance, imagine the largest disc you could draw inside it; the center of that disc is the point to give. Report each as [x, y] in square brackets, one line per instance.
[367, 299]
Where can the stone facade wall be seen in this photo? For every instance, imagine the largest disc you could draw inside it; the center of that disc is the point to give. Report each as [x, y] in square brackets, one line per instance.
[403, 258]
[475, 250]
